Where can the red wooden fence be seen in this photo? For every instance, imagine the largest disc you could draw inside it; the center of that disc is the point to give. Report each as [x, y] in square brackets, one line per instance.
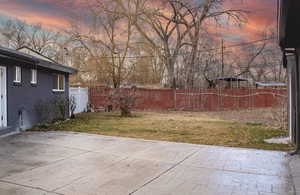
[196, 100]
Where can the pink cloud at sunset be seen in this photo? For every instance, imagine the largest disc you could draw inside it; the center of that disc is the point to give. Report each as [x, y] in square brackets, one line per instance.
[56, 14]
[261, 18]
[52, 14]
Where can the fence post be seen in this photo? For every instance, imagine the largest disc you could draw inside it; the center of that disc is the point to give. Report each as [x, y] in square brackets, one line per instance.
[219, 98]
[175, 99]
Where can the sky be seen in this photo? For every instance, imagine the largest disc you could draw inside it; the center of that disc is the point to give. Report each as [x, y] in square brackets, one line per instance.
[56, 14]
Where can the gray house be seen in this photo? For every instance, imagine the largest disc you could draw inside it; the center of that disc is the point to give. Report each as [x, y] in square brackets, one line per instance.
[26, 80]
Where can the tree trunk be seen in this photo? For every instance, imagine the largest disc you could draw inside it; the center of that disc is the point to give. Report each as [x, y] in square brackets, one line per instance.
[125, 111]
[172, 83]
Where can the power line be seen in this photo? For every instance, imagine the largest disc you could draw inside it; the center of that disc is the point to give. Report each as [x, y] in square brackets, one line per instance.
[185, 53]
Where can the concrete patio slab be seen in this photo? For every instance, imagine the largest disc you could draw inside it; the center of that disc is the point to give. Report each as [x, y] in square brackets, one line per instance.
[190, 180]
[73, 163]
[65, 172]
[123, 178]
[6, 188]
[240, 160]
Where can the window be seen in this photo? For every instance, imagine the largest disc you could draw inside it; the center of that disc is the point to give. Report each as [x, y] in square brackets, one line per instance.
[59, 82]
[18, 74]
[33, 76]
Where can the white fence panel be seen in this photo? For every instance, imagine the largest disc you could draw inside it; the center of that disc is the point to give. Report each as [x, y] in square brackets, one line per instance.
[81, 96]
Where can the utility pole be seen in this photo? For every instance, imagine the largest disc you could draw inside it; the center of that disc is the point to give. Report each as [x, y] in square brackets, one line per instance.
[222, 53]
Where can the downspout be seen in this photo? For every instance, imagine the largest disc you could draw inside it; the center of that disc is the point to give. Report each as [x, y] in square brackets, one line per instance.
[289, 69]
[21, 118]
[297, 103]
[290, 99]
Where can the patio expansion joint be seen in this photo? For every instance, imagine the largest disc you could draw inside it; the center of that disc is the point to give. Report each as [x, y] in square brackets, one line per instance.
[164, 172]
[30, 187]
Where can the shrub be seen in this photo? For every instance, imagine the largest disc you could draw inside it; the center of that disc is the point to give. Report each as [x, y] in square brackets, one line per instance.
[43, 110]
[72, 105]
[61, 108]
[56, 109]
[124, 100]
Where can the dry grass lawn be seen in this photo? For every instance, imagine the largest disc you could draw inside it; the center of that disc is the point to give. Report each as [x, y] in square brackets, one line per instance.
[195, 128]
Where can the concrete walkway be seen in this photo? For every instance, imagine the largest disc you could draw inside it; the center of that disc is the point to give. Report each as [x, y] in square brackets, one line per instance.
[82, 164]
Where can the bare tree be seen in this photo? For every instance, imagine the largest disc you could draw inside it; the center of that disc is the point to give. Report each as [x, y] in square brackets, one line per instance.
[14, 33]
[268, 67]
[148, 69]
[210, 10]
[41, 40]
[175, 28]
[17, 34]
[254, 51]
[108, 39]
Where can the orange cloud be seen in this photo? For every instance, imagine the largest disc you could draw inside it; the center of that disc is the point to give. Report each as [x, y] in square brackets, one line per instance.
[48, 22]
[261, 18]
[38, 11]
[56, 14]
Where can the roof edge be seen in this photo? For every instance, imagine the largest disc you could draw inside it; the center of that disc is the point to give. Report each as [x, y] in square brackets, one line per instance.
[10, 53]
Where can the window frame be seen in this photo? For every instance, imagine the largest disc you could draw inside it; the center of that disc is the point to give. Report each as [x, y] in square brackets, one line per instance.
[34, 76]
[57, 77]
[18, 78]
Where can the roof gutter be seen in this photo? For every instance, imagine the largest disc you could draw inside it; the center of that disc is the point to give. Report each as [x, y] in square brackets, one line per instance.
[17, 58]
[53, 66]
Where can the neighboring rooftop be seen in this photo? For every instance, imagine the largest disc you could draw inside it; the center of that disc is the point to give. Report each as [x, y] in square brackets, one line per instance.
[230, 79]
[34, 53]
[271, 84]
[39, 61]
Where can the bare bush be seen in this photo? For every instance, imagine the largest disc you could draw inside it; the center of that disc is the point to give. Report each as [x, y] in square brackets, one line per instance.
[72, 106]
[279, 115]
[124, 100]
